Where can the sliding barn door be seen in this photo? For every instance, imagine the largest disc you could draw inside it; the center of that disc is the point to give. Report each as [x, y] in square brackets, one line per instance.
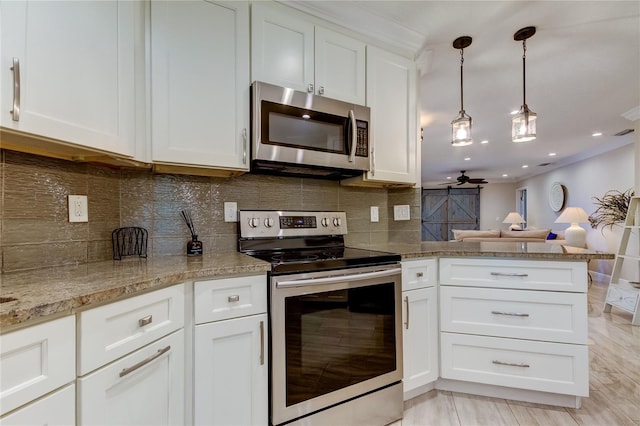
[447, 209]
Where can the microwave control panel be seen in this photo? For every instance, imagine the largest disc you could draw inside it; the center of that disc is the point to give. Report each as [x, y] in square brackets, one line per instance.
[362, 139]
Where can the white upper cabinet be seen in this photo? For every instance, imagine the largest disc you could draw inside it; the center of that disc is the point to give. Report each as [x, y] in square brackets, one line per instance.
[391, 95]
[290, 51]
[68, 72]
[200, 84]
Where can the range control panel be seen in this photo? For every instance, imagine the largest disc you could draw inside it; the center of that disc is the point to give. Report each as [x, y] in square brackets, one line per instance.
[283, 223]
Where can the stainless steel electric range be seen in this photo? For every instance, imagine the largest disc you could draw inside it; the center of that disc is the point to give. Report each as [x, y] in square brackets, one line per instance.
[335, 335]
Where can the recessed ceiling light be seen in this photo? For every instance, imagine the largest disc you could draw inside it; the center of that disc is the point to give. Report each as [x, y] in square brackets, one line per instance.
[524, 166]
[596, 134]
[449, 177]
[467, 158]
[514, 112]
[484, 141]
[505, 175]
[551, 154]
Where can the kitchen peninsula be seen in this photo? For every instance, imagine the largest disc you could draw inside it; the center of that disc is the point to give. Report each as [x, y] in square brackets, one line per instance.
[67, 308]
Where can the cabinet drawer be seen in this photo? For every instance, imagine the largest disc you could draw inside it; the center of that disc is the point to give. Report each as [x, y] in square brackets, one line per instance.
[514, 273]
[144, 387]
[36, 360]
[419, 273]
[626, 299]
[58, 408]
[111, 331]
[542, 366]
[533, 315]
[225, 298]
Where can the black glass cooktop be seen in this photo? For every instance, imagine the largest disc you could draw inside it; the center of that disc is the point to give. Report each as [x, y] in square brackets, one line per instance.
[318, 259]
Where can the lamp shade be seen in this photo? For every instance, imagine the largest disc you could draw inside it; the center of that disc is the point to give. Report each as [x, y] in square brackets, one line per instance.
[514, 217]
[575, 235]
[573, 215]
[515, 220]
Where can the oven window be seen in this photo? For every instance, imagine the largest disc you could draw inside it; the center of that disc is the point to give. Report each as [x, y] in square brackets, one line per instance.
[300, 128]
[338, 338]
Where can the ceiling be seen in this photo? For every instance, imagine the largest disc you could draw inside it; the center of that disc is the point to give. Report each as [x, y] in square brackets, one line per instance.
[582, 76]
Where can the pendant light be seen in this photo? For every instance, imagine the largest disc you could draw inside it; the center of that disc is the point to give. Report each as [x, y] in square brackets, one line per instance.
[461, 126]
[523, 124]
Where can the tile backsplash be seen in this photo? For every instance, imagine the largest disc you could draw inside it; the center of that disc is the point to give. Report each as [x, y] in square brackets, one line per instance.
[35, 231]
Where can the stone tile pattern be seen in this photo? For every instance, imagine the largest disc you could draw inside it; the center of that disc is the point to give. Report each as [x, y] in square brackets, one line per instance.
[35, 231]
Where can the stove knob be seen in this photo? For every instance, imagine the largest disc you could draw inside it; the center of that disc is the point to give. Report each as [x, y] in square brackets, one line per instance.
[337, 221]
[254, 222]
[268, 222]
[324, 222]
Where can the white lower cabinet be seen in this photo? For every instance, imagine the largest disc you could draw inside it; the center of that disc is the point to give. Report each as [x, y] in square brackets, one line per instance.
[131, 364]
[515, 323]
[230, 352]
[33, 362]
[142, 388]
[57, 408]
[419, 324]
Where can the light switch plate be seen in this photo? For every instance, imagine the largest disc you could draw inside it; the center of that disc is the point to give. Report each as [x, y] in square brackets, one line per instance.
[375, 217]
[78, 208]
[401, 212]
[230, 211]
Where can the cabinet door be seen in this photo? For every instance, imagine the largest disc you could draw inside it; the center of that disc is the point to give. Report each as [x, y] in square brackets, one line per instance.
[58, 408]
[339, 66]
[282, 48]
[391, 86]
[420, 337]
[143, 388]
[76, 71]
[200, 83]
[231, 372]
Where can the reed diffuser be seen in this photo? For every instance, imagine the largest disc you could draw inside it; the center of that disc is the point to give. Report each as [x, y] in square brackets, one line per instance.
[194, 247]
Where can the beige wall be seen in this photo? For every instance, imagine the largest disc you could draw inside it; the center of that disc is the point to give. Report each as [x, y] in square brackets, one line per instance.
[35, 231]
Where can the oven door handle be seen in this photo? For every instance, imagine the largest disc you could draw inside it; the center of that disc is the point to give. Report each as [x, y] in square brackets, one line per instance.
[338, 278]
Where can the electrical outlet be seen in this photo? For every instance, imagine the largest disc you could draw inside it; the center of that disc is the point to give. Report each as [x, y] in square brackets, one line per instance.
[78, 209]
[230, 211]
[401, 212]
[375, 217]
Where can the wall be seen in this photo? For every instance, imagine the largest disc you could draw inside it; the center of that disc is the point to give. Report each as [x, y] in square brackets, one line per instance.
[584, 180]
[496, 201]
[35, 231]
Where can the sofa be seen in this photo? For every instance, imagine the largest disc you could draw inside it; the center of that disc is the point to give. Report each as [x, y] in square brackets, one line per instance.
[500, 235]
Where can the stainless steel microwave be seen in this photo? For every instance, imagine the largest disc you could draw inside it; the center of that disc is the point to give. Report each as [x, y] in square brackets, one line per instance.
[302, 134]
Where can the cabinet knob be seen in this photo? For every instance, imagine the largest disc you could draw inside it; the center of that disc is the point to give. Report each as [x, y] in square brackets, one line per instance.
[234, 298]
[310, 88]
[419, 274]
[321, 90]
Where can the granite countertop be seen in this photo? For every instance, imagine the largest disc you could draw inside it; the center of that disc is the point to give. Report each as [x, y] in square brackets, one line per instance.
[50, 292]
[489, 249]
[62, 290]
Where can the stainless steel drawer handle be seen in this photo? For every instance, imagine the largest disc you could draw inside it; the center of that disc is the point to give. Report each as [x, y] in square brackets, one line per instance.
[146, 361]
[145, 321]
[234, 298]
[511, 364]
[15, 112]
[419, 274]
[511, 314]
[406, 323]
[511, 274]
[261, 342]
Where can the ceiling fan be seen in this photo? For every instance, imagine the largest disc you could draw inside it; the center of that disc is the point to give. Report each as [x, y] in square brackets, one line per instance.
[462, 179]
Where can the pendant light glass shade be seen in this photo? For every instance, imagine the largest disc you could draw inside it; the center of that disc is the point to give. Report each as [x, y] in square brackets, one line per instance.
[523, 124]
[461, 130]
[461, 126]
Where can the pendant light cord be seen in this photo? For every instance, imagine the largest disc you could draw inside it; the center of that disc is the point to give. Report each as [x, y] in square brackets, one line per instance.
[461, 85]
[524, 83]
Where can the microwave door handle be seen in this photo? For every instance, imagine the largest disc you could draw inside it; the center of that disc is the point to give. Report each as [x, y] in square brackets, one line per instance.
[354, 135]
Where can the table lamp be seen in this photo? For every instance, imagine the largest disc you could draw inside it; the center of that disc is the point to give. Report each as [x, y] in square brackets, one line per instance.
[575, 235]
[517, 222]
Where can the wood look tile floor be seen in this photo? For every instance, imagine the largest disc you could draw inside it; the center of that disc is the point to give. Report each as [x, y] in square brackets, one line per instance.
[614, 389]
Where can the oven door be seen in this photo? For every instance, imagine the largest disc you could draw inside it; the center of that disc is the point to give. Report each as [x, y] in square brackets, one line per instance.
[335, 336]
